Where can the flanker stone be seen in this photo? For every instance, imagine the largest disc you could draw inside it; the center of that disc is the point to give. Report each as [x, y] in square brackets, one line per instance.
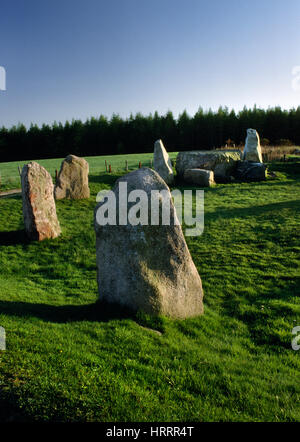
[162, 163]
[252, 150]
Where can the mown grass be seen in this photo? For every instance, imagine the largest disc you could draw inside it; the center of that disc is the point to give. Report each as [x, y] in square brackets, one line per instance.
[70, 358]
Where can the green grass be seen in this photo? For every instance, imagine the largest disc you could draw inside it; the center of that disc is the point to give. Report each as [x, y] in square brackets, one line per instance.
[71, 359]
[10, 179]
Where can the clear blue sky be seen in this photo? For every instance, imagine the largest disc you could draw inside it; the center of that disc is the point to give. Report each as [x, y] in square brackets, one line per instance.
[75, 59]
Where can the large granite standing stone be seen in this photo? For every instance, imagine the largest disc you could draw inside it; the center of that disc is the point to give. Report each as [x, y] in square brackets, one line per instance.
[221, 162]
[39, 209]
[252, 150]
[250, 171]
[162, 163]
[200, 177]
[147, 267]
[73, 179]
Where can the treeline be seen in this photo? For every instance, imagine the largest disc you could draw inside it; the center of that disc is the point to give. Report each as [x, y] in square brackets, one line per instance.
[136, 134]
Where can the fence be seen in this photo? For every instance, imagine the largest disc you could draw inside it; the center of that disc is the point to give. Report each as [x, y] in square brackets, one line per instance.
[10, 172]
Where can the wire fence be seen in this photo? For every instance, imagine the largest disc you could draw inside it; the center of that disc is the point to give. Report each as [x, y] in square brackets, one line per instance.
[10, 173]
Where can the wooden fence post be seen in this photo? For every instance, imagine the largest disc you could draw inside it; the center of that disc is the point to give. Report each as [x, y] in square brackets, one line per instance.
[20, 173]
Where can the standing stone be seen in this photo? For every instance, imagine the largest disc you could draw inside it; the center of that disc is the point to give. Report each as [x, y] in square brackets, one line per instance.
[162, 163]
[146, 267]
[252, 150]
[73, 179]
[201, 177]
[39, 209]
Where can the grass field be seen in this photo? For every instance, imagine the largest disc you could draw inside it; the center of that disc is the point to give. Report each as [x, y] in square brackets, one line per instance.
[10, 178]
[69, 358]
[9, 175]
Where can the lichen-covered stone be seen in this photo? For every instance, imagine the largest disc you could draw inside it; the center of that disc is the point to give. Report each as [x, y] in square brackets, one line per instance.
[39, 210]
[162, 163]
[72, 181]
[147, 267]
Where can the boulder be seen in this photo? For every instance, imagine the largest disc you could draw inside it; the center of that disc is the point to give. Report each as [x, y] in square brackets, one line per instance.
[39, 209]
[250, 171]
[252, 150]
[146, 267]
[221, 162]
[73, 179]
[201, 177]
[162, 163]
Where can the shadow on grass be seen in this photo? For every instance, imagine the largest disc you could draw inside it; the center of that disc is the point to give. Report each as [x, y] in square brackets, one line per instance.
[105, 178]
[9, 411]
[251, 211]
[98, 311]
[260, 319]
[290, 169]
[13, 237]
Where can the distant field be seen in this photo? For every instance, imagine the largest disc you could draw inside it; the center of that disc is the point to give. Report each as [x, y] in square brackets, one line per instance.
[70, 359]
[10, 175]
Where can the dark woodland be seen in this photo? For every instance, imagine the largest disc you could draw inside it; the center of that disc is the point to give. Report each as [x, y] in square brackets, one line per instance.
[136, 134]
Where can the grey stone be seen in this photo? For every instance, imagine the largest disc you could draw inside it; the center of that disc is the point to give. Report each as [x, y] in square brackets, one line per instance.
[250, 171]
[147, 267]
[162, 163]
[201, 177]
[39, 210]
[221, 162]
[73, 181]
